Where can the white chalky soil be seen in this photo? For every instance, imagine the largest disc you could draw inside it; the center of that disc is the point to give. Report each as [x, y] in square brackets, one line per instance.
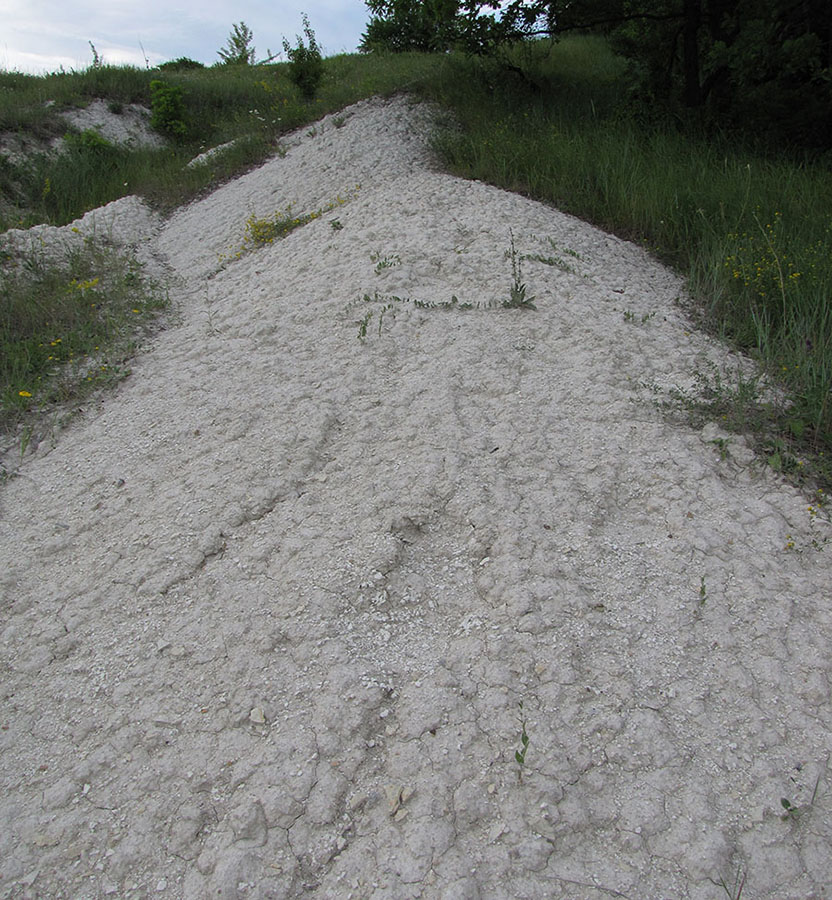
[270, 611]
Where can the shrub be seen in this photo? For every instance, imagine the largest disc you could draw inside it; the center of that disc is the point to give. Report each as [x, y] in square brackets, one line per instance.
[168, 109]
[88, 141]
[306, 66]
[181, 65]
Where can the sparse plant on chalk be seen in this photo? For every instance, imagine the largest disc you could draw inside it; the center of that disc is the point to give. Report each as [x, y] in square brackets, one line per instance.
[306, 66]
[385, 262]
[363, 325]
[630, 316]
[554, 260]
[791, 812]
[520, 755]
[388, 302]
[735, 888]
[268, 230]
[381, 313]
[517, 293]
[722, 444]
[262, 231]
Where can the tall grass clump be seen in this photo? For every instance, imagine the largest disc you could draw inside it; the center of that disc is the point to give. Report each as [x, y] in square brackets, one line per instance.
[753, 233]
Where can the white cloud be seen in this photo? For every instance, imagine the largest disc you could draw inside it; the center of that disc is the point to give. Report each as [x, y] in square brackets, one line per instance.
[45, 35]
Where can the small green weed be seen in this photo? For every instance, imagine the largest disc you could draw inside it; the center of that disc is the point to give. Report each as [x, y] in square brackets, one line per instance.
[520, 755]
[525, 740]
[381, 313]
[387, 302]
[385, 262]
[630, 316]
[722, 444]
[556, 261]
[793, 813]
[364, 324]
[517, 293]
[734, 889]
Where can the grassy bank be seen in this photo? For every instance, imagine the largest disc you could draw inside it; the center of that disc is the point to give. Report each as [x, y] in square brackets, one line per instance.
[753, 233]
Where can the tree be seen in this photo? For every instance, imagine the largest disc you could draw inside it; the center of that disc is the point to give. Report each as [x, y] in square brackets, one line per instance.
[238, 49]
[400, 25]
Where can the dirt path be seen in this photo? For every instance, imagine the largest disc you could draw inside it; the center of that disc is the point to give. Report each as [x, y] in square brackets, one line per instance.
[277, 616]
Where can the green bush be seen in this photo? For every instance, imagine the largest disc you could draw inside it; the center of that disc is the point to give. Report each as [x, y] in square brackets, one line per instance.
[182, 64]
[306, 66]
[88, 141]
[168, 109]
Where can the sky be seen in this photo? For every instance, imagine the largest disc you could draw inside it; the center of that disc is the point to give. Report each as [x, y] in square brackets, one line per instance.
[38, 36]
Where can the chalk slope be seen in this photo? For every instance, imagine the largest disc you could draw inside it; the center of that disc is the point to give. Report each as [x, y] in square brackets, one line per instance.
[277, 614]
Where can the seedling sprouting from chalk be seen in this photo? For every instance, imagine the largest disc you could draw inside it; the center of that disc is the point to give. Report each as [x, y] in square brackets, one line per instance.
[517, 295]
[792, 812]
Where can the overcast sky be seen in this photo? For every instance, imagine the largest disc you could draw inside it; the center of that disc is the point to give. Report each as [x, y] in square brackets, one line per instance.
[38, 36]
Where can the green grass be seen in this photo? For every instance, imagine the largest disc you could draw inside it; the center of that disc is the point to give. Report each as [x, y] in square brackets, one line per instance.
[752, 232]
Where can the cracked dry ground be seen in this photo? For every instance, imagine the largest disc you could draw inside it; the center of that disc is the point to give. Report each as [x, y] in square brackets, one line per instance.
[276, 615]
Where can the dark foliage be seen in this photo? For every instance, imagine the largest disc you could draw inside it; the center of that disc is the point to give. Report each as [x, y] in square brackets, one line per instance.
[759, 67]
